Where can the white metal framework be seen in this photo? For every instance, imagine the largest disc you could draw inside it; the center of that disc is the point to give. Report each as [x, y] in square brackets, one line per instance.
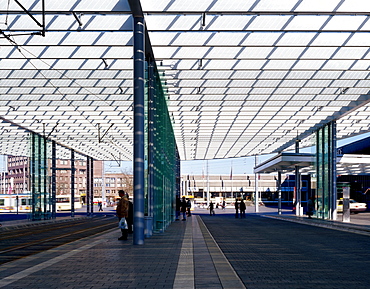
[243, 77]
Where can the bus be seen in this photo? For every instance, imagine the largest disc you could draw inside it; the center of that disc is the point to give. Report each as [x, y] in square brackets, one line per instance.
[11, 203]
[15, 203]
[63, 202]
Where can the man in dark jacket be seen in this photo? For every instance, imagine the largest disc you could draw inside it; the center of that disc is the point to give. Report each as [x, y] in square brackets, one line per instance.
[122, 211]
[183, 208]
[242, 208]
[178, 207]
[236, 208]
[130, 218]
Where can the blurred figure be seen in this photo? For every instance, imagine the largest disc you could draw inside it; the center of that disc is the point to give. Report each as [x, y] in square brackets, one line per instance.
[211, 209]
[236, 209]
[242, 209]
[310, 207]
[178, 207]
[183, 208]
[188, 207]
[130, 218]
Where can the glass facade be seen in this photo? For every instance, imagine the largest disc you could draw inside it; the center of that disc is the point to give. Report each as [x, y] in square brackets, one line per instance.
[41, 197]
[326, 172]
[162, 155]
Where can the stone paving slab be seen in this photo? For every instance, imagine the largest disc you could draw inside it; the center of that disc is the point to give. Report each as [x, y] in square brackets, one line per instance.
[219, 252]
[270, 253]
[108, 264]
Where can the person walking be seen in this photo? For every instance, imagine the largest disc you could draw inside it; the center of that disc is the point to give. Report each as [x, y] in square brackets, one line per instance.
[178, 207]
[188, 207]
[242, 209]
[130, 218]
[236, 209]
[100, 205]
[122, 211]
[211, 209]
[183, 208]
[310, 207]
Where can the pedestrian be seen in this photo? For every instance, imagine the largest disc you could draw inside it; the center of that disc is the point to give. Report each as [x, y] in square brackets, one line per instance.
[122, 212]
[130, 218]
[211, 209]
[223, 205]
[183, 208]
[188, 207]
[100, 205]
[242, 209]
[236, 209]
[178, 207]
[310, 207]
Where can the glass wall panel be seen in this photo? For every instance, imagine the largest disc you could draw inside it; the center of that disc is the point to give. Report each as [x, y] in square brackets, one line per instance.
[162, 152]
[41, 198]
[326, 171]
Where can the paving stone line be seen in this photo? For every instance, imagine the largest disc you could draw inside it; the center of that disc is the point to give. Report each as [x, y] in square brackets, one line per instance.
[184, 278]
[15, 277]
[205, 271]
[362, 230]
[227, 275]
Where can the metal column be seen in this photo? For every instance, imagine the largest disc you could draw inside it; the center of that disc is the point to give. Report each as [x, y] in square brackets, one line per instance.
[150, 198]
[139, 91]
[39, 179]
[88, 173]
[53, 179]
[33, 174]
[72, 183]
[92, 186]
[256, 194]
[45, 177]
[333, 170]
[297, 184]
[279, 192]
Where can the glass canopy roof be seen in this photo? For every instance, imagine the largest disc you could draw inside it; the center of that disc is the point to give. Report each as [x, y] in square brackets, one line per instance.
[242, 77]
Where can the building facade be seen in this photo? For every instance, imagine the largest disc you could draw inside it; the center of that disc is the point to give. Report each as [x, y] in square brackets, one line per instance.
[106, 185]
[230, 187]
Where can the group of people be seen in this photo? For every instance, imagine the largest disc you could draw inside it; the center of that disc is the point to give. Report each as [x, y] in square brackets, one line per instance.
[125, 210]
[183, 207]
[240, 207]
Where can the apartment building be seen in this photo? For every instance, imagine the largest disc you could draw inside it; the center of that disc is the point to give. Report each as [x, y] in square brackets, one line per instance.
[17, 179]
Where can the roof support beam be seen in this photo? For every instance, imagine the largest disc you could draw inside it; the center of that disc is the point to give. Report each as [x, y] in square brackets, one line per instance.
[354, 105]
[42, 25]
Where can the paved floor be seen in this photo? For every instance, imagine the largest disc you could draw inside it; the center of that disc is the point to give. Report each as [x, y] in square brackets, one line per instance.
[263, 250]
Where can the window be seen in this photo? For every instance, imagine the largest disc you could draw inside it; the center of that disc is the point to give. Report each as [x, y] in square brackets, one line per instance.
[25, 202]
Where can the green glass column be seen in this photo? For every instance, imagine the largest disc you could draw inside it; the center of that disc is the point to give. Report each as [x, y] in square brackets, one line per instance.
[163, 156]
[41, 197]
[326, 192]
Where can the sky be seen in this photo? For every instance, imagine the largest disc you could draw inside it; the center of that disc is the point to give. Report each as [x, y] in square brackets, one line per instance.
[242, 165]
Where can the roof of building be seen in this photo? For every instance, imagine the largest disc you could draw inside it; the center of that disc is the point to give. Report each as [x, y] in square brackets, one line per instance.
[242, 77]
